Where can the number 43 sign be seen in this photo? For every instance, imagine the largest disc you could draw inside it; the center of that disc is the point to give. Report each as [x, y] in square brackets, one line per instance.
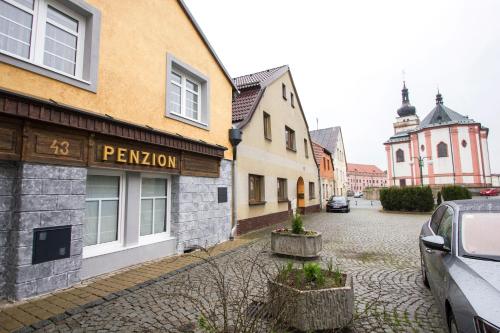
[60, 147]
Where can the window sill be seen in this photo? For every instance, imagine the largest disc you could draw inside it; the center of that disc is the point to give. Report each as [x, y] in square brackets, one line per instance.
[256, 203]
[101, 249]
[111, 247]
[154, 238]
[187, 120]
[283, 200]
[291, 149]
[46, 71]
[268, 139]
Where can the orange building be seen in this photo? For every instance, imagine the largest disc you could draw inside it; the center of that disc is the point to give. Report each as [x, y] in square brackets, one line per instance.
[326, 174]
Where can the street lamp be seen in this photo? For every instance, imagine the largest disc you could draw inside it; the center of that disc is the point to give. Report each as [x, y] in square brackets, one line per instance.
[420, 160]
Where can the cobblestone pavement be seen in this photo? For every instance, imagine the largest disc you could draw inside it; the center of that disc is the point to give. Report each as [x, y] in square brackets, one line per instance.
[379, 249]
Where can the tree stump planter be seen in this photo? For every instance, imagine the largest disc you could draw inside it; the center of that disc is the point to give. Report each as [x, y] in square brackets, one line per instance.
[304, 246]
[311, 310]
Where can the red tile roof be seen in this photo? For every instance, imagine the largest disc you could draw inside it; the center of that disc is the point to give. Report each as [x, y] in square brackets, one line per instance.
[318, 152]
[251, 86]
[244, 103]
[255, 79]
[363, 168]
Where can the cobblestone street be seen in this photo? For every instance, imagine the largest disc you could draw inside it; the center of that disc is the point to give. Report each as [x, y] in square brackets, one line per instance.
[379, 249]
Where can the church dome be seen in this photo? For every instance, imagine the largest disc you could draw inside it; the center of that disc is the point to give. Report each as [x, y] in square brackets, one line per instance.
[406, 109]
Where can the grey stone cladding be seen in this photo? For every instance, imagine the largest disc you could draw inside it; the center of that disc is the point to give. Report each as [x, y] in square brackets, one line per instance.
[8, 175]
[43, 196]
[197, 219]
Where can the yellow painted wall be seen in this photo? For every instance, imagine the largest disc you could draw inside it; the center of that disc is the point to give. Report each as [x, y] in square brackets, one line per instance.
[256, 155]
[135, 39]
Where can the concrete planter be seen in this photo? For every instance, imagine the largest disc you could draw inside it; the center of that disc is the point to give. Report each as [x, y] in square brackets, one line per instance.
[311, 310]
[296, 245]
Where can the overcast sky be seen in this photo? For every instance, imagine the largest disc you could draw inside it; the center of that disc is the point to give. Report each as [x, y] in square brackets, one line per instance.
[347, 59]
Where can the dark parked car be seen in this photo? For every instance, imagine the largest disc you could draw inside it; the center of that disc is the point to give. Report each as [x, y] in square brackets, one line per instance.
[460, 258]
[338, 204]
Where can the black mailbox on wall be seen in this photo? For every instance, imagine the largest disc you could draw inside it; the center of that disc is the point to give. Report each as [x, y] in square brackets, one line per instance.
[221, 194]
[51, 244]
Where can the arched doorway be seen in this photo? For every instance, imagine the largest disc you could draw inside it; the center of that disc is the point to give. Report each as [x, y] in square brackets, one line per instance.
[301, 202]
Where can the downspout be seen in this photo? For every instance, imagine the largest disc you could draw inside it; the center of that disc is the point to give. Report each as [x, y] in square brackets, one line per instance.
[235, 139]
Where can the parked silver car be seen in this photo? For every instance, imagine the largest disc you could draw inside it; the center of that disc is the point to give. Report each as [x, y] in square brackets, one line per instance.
[460, 259]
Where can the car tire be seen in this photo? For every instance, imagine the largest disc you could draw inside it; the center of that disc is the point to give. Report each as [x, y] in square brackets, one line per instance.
[452, 324]
[423, 270]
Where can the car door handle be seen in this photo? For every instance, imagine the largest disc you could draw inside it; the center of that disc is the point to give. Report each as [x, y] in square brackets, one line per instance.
[429, 250]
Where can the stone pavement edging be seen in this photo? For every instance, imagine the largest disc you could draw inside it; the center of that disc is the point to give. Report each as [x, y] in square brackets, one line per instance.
[37, 313]
[403, 212]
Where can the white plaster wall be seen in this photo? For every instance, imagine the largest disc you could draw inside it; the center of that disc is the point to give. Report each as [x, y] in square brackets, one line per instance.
[495, 180]
[486, 157]
[401, 169]
[468, 179]
[425, 153]
[340, 164]
[465, 153]
[441, 164]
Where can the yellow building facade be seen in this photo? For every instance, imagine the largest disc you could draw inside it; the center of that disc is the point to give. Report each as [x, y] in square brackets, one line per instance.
[276, 172]
[114, 119]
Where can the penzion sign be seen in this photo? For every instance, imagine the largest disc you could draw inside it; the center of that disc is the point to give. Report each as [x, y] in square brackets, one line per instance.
[138, 157]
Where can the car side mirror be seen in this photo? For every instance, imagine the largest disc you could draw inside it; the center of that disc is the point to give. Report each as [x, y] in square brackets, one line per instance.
[435, 242]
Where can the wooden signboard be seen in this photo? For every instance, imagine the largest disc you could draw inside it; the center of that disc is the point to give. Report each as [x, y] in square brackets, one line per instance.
[10, 140]
[121, 154]
[58, 145]
[199, 166]
[54, 146]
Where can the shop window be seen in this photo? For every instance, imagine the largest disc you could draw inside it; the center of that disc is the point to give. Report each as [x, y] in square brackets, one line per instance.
[400, 155]
[187, 94]
[312, 194]
[267, 126]
[101, 209]
[153, 206]
[282, 189]
[49, 38]
[442, 149]
[306, 148]
[256, 189]
[290, 138]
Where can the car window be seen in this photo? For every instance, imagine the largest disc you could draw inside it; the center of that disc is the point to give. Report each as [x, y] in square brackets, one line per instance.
[445, 227]
[436, 218]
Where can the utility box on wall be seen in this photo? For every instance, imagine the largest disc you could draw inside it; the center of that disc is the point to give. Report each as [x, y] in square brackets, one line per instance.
[51, 244]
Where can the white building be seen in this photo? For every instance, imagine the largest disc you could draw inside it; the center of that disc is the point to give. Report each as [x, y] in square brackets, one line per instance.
[444, 148]
[331, 139]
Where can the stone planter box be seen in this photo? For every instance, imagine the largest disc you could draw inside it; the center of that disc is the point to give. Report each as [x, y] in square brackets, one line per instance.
[296, 245]
[311, 310]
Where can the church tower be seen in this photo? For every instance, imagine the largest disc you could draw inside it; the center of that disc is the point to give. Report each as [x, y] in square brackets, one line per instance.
[407, 117]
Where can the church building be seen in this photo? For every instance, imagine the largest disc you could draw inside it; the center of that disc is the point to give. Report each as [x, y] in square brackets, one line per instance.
[445, 148]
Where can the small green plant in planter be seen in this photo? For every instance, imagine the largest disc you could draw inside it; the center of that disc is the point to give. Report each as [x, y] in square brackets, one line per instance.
[297, 224]
[314, 274]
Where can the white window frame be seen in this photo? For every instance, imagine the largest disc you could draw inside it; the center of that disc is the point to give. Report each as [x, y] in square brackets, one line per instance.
[161, 236]
[108, 247]
[38, 31]
[184, 90]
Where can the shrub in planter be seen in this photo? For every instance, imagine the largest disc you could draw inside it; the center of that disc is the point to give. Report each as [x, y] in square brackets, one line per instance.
[296, 241]
[454, 192]
[317, 299]
[410, 198]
